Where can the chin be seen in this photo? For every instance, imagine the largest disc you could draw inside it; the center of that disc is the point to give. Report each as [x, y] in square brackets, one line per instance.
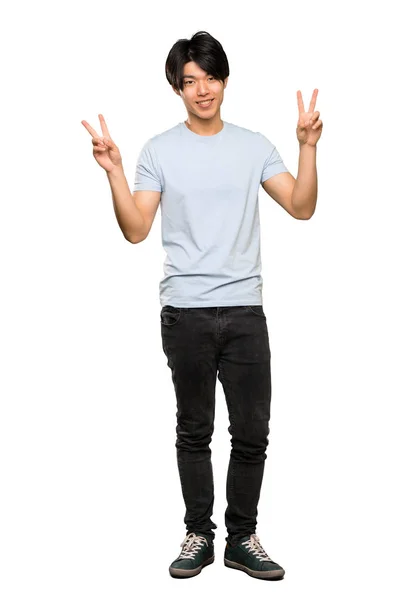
[210, 114]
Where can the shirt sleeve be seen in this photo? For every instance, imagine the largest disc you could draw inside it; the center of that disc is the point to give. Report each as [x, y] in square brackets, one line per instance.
[273, 163]
[148, 172]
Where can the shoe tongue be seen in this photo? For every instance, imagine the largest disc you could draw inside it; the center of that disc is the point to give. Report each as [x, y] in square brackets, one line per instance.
[204, 536]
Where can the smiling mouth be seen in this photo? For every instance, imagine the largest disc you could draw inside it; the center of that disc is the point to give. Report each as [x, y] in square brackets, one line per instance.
[206, 102]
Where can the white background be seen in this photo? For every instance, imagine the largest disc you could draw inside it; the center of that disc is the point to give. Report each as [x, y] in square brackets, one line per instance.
[91, 504]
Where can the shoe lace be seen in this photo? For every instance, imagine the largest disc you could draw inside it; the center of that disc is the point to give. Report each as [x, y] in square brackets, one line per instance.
[191, 544]
[253, 544]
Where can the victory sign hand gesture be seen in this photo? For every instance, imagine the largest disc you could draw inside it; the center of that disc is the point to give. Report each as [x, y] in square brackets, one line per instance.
[309, 125]
[104, 150]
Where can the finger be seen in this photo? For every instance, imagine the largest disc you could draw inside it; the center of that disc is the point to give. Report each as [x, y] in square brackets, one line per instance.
[90, 129]
[313, 101]
[317, 124]
[109, 143]
[300, 103]
[104, 127]
[314, 118]
[98, 141]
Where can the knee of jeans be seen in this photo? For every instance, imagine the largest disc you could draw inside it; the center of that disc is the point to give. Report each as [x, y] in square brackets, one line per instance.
[249, 449]
[249, 430]
[249, 441]
[198, 436]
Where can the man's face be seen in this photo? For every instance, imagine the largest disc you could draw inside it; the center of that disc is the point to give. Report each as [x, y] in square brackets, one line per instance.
[198, 86]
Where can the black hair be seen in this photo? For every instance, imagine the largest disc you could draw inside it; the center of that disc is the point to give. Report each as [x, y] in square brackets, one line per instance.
[204, 50]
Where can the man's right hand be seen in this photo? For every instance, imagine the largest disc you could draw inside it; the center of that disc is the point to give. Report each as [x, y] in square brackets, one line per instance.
[104, 150]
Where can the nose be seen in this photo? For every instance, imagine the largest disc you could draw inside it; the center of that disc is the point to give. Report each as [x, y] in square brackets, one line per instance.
[202, 90]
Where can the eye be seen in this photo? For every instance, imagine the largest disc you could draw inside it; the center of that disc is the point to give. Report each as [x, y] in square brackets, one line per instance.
[191, 80]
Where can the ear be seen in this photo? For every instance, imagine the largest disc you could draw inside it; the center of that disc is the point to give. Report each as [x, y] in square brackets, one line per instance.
[177, 92]
[226, 82]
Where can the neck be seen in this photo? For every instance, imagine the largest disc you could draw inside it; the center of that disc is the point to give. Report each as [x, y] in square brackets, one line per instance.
[204, 126]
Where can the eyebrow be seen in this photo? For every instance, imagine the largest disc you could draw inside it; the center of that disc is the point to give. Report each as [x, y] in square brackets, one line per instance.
[193, 76]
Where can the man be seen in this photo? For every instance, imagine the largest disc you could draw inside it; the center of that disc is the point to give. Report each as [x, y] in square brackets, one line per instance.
[205, 173]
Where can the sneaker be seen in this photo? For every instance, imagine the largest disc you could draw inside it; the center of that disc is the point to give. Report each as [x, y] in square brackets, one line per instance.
[249, 556]
[197, 552]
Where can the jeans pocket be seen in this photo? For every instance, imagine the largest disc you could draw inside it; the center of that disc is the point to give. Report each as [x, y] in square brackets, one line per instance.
[170, 315]
[257, 309]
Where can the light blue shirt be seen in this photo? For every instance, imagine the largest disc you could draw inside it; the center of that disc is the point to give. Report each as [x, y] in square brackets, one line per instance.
[209, 212]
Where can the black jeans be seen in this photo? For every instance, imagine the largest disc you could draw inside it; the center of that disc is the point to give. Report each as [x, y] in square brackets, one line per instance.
[233, 342]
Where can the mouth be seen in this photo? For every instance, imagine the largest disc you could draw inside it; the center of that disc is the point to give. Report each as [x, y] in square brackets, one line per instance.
[205, 104]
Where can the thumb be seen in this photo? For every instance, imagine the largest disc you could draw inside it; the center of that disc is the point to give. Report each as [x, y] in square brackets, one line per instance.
[111, 145]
